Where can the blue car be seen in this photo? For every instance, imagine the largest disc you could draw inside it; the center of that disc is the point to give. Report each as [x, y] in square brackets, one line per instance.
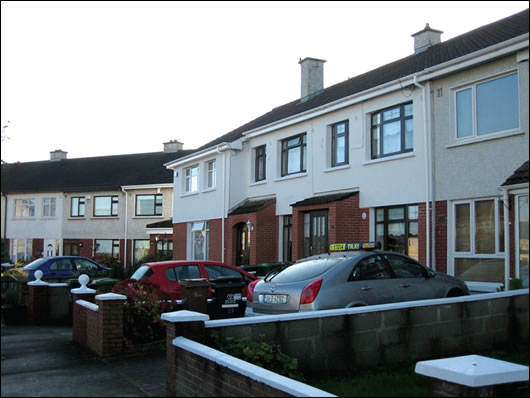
[65, 267]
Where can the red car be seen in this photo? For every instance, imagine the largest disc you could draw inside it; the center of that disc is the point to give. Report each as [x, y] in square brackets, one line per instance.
[166, 274]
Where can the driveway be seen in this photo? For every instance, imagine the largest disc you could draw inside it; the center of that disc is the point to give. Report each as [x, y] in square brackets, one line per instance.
[40, 361]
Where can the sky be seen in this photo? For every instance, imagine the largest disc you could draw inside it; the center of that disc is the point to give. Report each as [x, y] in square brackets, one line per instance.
[109, 78]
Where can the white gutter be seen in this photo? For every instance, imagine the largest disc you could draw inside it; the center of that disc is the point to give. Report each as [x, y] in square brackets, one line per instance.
[506, 201]
[426, 115]
[125, 230]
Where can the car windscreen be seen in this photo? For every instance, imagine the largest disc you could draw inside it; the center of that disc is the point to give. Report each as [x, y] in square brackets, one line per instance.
[35, 264]
[142, 271]
[305, 270]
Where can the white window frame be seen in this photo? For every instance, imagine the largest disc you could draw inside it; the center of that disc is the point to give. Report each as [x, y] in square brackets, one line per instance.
[455, 140]
[24, 208]
[452, 253]
[49, 205]
[211, 174]
[191, 180]
[193, 228]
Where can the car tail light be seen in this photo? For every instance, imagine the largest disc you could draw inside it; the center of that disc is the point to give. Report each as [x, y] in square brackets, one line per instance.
[310, 292]
[250, 290]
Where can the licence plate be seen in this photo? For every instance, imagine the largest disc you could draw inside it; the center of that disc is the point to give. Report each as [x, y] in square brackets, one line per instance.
[273, 299]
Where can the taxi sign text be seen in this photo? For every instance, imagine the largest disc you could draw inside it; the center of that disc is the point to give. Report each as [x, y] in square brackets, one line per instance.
[340, 247]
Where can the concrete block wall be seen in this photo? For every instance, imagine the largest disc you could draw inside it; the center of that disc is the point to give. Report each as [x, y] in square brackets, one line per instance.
[391, 333]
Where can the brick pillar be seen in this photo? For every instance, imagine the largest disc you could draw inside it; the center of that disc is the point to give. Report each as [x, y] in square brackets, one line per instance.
[37, 300]
[181, 323]
[195, 295]
[109, 323]
[79, 326]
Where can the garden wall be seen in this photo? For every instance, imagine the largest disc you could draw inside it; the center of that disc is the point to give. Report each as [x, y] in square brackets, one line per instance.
[392, 333]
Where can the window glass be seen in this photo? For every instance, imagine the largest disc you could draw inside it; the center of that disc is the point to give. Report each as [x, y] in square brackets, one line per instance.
[192, 179]
[149, 205]
[105, 206]
[211, 174]
[216, 271]
[199, 240]
[339, 145]
[522, 226]
[141, 249]
[392, 131]
[463, 231]
[48, 207]
[404, 268]
[498, 105]
[260, 164]
[294, 155]
[480, 269]
[85, 265]
[78, 207]
[183, 272]
[485, 226]
[464, 114]
[24, 208]
[306, 270]
[371, 268]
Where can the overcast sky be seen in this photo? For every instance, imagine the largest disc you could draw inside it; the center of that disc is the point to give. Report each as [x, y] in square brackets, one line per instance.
[109, 78]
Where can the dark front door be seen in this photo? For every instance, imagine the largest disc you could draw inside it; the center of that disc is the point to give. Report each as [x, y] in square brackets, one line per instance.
[243, 245]
[315, 232]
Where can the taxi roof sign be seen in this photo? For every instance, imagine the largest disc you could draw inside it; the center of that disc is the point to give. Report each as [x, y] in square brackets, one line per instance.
[343, 247]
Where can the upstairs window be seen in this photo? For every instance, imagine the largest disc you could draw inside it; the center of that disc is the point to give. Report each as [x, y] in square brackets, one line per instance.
[192, 179]
[211, 180]
[339, 144]
[392, 131]
[48, 207]
[24, 208]
[488, 107]
[105, 206]
[294, 155]
[77, 207]
[260, 164]
[149, 205]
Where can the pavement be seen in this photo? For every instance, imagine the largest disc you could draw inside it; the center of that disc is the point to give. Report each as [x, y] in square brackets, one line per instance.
[43, 361]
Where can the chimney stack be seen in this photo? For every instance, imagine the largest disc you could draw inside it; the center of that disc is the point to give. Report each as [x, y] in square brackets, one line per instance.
[173, 146]
[312, 77]
[58, 154]
[426, 38]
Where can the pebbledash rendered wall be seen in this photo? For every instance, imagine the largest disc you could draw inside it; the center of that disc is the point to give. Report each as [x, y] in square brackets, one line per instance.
[391, 333]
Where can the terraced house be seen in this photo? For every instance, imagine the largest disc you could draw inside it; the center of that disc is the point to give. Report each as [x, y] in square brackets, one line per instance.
[110, 205]
[427, 155]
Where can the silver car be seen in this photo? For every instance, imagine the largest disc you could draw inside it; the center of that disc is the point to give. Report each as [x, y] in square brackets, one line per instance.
[349, 279]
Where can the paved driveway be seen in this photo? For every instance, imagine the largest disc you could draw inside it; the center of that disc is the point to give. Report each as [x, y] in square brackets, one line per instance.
[40, 361]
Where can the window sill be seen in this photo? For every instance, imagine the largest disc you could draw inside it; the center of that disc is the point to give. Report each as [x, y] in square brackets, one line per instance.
[291, 176]
[389, 158]
[146, 217]
[262, 182]
[185, 195]
[76, 218]
[209, 189]
[337, 168]
[105, 218]
[482, 138]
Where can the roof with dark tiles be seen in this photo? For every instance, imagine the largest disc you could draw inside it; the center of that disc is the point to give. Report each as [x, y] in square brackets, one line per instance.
[318, 200]
[467, 43]
[520, 176]
[89, 174]
[251, 206]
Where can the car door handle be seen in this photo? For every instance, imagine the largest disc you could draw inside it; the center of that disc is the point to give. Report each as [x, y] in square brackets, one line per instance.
[366, 288]
[405, 285]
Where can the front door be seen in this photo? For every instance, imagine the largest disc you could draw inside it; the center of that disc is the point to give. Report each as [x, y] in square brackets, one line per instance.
[315, 232]
[243, 244]
[50, 247]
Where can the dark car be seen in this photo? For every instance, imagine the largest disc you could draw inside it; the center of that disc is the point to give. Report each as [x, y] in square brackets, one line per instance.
[167, 274]
[349, 279]
[65, 267]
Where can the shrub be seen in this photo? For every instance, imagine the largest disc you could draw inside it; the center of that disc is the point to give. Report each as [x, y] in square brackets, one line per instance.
[145, 303]
[261, 354]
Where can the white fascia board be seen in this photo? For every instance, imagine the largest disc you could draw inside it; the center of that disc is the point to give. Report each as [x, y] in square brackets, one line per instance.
[478, 57]
[191, 158]
[158, 231]
[147, 186]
